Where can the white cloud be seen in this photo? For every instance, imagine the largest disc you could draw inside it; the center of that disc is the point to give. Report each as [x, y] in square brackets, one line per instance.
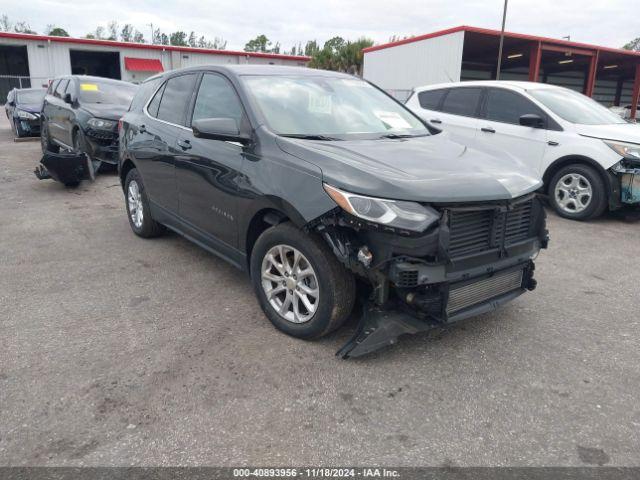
[605, 22]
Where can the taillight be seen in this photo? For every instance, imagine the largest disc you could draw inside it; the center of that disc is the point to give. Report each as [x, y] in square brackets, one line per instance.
[119, 125]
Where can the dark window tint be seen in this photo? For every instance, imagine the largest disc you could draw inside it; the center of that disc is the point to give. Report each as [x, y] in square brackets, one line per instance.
[176, 97]
[60, 88]
[142, 95]
[70, 87]
[462, 101]
[155, 102]
[217, 99]
[431, 99]
[505, 106]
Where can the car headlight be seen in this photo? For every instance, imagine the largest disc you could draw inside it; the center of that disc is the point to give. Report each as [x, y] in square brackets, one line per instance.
[26, 115]
[630, 151]
[101, 124]
[393, 213]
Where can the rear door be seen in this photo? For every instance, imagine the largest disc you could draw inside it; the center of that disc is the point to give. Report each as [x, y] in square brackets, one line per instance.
[155, 136]
[500, 129]
[459, 114]
[208, 170]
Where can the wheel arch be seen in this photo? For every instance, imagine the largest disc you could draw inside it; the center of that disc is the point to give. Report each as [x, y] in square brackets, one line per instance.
[123, 170]
[561, 162]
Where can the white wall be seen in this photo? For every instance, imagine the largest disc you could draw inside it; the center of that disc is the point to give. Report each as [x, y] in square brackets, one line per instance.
[50, 59]
[424, 62]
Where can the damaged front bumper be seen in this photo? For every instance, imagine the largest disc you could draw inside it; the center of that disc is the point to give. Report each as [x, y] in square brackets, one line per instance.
[627, 176]
[475, 259]
[67, 168]
[102, 145]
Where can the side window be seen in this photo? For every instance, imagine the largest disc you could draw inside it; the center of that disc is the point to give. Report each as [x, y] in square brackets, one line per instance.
[217, 99]
[152, 108]
[142, 94]
[62, 85]
[71, 88]
[462, 101]
[431, 99]
[507, 107]
[176, 98]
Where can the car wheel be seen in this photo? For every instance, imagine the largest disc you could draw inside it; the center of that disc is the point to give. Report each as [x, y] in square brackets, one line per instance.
[578, 192]
[302, 287]
[45, 140]
[138, 211]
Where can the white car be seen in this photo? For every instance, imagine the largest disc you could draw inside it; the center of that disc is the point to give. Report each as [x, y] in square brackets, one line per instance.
[587, 156]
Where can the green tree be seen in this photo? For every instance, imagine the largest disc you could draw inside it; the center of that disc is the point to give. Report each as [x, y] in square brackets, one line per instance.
[56, 31]
[259, 44]
[5, 23]
[178, 38]
[126, 34]
[138, 37]
[192, 39]
[112, 28]
[164, 39]
[23, 27]
[99, 33]
[311, 48]
[633, 45]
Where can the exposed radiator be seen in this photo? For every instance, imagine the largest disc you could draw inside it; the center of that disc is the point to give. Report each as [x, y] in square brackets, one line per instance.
[479, 292]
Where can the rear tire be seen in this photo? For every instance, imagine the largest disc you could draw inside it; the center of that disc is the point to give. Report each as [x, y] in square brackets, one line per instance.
[45, 141]
[137, 205]
[578, 192]
[309, 293]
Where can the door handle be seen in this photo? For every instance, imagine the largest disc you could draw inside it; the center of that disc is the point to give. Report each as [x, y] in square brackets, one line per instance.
[553, 143]
[142, 129]
[184, 144]
[436, 120]
[488, 130]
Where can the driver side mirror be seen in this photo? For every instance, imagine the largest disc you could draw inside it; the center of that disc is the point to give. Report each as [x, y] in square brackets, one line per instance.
[12, 103]
[532, 120]
[68, 99]
[225, 129]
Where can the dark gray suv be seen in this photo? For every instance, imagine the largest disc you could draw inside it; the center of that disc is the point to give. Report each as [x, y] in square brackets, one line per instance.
[328, 191]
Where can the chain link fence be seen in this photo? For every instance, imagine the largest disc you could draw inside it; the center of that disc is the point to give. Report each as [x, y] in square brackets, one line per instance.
[9, 82]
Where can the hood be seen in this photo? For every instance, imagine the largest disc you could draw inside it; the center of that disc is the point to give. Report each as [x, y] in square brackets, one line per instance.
[105, 110]
[623, 132]
[425, 169]
[30, 107]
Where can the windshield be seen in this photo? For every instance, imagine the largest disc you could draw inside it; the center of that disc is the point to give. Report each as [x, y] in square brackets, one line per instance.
[575, 107]
[111, 93]
[329, 107]
[31, 96]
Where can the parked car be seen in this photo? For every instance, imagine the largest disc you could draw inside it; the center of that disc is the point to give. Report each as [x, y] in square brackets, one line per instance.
[23, 109]
[81, 113]
[588, 157]
[314, 181]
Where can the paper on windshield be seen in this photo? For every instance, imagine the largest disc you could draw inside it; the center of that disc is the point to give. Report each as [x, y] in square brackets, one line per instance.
[319, 103]
[392, 119]
[89, 87]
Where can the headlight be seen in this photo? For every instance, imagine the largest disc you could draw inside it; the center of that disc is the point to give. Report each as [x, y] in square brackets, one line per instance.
[626, 150]
[394, 213]
[101, 124]
[26, 115]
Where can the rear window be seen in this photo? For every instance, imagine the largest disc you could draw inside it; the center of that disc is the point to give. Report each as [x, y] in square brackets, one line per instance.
[462, 101]
[176, 97]
[431, 99]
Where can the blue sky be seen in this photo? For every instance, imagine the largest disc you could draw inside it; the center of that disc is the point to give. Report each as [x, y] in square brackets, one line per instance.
[606, 22]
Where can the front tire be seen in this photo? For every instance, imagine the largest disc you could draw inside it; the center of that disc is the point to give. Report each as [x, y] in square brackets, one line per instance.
[302, 287]
[138, 211]
[578, 192]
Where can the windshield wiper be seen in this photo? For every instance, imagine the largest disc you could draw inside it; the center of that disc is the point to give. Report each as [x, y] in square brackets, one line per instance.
[309, 136]
[403, 135]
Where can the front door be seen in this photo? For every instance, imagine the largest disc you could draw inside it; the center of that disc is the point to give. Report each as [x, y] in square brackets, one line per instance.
[208, 170]
[459, 114]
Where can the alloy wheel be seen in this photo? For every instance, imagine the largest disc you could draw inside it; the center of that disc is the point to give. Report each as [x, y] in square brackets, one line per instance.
[573, 193]
[134, 201]
[290, 283]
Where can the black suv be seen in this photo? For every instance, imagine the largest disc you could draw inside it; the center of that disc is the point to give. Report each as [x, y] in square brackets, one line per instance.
[81, 113]
[328, 191]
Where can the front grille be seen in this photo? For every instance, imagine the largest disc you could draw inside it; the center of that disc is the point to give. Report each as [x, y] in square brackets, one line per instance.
[476, 231]
[466, 296]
